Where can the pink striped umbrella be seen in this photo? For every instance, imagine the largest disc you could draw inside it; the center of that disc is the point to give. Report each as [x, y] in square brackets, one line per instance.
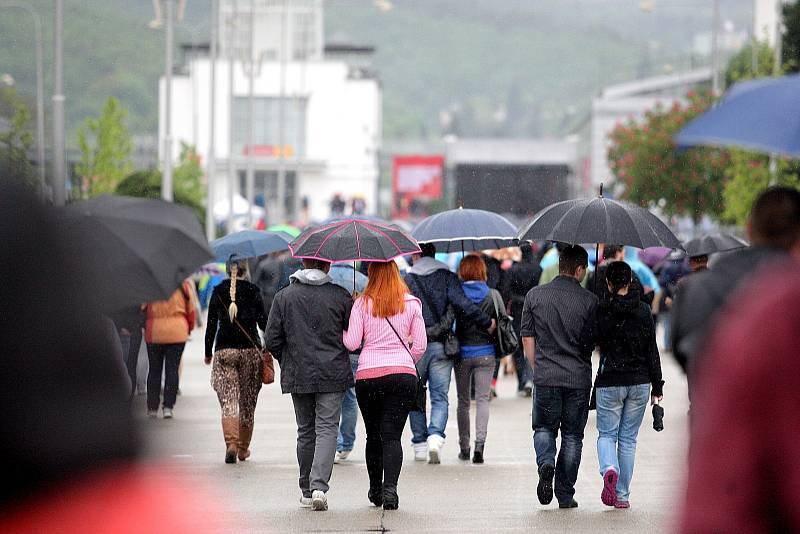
[354, 240]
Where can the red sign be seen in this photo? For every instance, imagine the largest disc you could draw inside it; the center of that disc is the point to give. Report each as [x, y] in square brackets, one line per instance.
[415, 179]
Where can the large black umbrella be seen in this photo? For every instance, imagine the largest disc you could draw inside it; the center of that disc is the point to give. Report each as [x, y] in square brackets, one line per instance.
[139, 250]
[353, 240]
[711, 244]
[466, 229]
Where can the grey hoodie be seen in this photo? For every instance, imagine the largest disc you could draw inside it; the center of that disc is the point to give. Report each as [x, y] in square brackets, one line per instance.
[311, 277]
[427, 265]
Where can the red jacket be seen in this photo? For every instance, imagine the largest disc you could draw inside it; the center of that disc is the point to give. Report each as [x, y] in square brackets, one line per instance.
[744, 465]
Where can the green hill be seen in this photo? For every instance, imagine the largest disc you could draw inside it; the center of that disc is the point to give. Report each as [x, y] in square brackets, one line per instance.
[505, 67]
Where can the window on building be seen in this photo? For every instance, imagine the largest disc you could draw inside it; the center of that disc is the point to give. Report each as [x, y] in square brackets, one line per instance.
[266, 135]
[266, 192]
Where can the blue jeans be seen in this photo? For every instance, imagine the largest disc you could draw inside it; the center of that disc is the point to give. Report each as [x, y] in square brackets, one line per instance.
[347, 425]
[620, 411]
[436, 369]
[567, 409]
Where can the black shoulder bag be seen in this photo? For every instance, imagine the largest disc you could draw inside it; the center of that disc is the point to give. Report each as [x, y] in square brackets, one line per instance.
[452, 349]
[421, 398]
[507, 339]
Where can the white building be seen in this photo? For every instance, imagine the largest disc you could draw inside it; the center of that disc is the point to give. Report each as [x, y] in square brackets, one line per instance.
[316, 111]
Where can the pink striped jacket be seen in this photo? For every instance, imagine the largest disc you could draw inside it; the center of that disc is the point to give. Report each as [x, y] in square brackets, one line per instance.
[381, 352]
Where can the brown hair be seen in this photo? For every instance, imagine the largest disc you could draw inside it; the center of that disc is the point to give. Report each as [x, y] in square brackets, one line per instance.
[385, 289]
[473, 268]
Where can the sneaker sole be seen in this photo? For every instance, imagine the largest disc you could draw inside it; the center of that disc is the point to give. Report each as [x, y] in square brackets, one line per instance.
[544, 491]
[318, 505]
[304, 504]
[433, 456]
[609, 494]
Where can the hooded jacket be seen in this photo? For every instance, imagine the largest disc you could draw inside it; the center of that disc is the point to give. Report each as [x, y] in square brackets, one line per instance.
[474, 340]
[304, 333]
[627, 338]
[437, 287]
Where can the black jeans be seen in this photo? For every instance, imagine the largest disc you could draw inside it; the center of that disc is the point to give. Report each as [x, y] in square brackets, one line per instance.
[567, 409]
[131, 354]
[168, 359]
[385, 403]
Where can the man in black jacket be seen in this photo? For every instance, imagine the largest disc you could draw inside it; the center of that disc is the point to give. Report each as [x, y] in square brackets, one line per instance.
[521, 278]
[304, 333]
[439, 289]
[773, 229]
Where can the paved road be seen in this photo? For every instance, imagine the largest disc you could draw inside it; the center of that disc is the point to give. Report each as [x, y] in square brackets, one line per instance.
[262, 495]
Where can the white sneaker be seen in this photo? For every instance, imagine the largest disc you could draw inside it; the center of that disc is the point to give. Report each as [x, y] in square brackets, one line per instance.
[421, 452]
[319, 501]
[341, 456]
[305, 502]
[152, 414]
[435, 444]
[167, 413]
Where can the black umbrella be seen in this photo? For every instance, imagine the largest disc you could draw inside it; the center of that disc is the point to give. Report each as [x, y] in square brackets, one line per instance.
[353, 240]
[139, 250]
[710, 244]
[466, 229]
[658, 417]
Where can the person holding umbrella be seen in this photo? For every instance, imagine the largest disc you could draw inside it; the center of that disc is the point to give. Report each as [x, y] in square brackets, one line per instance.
[629, 367]
[233, 344]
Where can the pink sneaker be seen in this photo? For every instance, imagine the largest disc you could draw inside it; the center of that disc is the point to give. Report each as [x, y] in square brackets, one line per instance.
[609, 495]
[622, 505]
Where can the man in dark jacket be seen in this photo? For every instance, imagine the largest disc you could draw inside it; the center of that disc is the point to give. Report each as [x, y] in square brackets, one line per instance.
[439, 289]
[304, 333]
[773, 229]
[558, 333]
[521, 278]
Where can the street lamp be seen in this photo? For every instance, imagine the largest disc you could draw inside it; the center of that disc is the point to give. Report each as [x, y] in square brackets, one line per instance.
[59, 143]
[37, 31]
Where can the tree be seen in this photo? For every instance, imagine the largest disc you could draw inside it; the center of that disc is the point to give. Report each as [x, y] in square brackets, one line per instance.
[106, 147]
[740, 67]
[790, 49]
[748, 175]
[15, 137]
[644, 158]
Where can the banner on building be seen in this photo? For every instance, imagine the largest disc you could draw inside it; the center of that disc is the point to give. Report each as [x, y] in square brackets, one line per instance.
[416, 180]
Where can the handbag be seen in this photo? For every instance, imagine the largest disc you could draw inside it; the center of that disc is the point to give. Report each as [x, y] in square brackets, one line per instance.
[421, 397]
[268, 363]
[452, 348]
[507, 339]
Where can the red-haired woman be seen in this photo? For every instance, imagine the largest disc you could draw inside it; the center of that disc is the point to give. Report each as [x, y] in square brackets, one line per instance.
[477, 356]
[387, 323]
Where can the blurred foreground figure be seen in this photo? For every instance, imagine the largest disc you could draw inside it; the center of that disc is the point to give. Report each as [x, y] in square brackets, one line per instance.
[68, 441]
[744, 473]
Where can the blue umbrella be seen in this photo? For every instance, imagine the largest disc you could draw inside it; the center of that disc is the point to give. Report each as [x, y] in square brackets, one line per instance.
[761, 115]
[466, 229]
[249, 244]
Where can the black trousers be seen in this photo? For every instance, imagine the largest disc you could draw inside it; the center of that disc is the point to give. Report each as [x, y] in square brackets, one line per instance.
[130, 351]
[385, 403]
[166, 358]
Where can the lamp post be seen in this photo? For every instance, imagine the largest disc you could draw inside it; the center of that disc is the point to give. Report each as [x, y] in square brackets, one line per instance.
[37, 31]
[212, 156]
[166, 182]
[59, 144]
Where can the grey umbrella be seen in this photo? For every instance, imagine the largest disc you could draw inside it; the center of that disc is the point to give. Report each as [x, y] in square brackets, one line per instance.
[466, 229]
[139, 250]
[711, 244]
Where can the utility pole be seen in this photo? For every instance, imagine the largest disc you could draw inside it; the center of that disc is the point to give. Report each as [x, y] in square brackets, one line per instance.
[166, 183]
[280, 208]
[212, 157]
[715, 82]
[59, 145]
[231, 102]
[251, 110]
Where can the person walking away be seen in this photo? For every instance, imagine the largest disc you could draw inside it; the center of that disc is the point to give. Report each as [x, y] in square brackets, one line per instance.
[384, 319]
[167, 328]
[441, 295]
[345, 275]
[129, 323]
[629, 367]
[613, 253]
[521, 278]
[558, 332]
[477, 357]
[233, 344]
[304, 334]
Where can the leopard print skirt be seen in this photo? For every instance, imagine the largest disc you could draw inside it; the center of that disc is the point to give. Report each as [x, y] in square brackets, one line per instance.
[236, 377]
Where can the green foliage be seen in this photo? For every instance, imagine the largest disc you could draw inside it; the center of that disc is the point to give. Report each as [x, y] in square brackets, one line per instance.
[740, 67]
[15, 137]
[791, 37]
[748, 175]
[106, 147]
[643, 156]
[188, 189]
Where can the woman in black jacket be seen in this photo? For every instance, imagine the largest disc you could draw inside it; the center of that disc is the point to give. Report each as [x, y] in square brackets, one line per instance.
[235, 313]
[629, 367]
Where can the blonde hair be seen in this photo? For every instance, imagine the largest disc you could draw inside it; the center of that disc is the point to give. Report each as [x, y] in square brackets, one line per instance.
[236, 270]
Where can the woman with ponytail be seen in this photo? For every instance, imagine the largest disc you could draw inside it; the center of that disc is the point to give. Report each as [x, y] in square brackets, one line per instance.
[233, 344]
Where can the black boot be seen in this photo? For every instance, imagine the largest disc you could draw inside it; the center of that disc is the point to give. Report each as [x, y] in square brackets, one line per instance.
[375, 496]
[477, 458]
[464, 455]
[390, 499]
